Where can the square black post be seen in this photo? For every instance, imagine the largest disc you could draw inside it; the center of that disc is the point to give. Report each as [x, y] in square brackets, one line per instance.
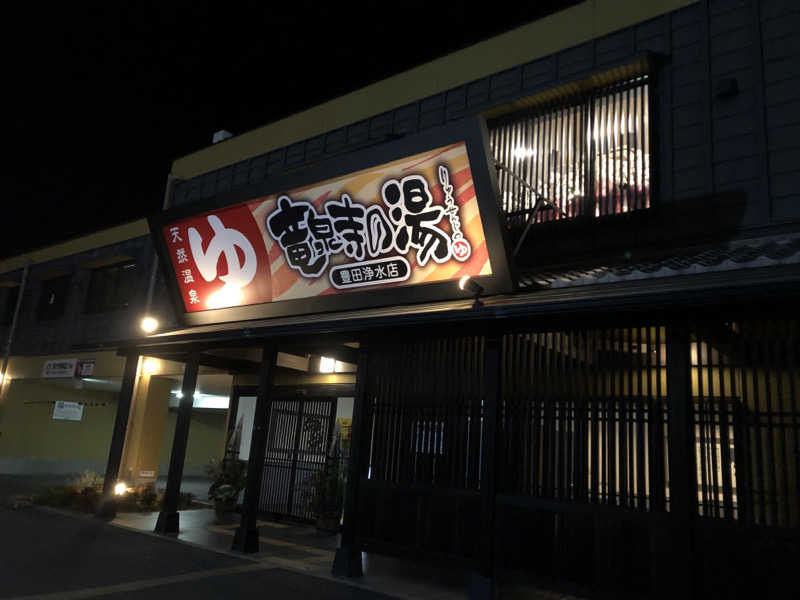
[246, 538]
[107, 508]
[347, 562]
[169, 519]
[677, 580]
[483, 584]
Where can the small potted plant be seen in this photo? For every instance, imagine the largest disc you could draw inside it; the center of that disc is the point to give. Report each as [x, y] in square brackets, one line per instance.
[327, 498]
[225, 499]
[227, 480]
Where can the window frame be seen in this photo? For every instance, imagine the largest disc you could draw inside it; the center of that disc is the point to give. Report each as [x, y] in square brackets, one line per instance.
[47, 289]
[589, 175]
[94, 306]
[8, 306]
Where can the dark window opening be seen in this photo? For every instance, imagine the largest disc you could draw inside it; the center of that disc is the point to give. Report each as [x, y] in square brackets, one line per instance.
[53, 298]
[8, 303]
[586, 156]
[111, 287]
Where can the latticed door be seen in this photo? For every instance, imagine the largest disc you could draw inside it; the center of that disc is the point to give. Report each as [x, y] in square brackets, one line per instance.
[297, 446]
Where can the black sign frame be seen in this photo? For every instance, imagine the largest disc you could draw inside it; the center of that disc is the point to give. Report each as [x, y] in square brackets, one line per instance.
[472, 131]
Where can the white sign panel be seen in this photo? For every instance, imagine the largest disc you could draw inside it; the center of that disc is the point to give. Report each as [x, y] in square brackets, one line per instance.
[59, 367]
[85, 367]
[68, 411]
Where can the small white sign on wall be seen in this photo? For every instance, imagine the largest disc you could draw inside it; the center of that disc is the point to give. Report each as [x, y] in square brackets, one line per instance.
[85, 367]
[68, 411]
[59, 367]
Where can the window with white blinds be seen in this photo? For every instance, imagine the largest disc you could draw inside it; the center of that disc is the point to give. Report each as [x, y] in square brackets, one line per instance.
[589, 155]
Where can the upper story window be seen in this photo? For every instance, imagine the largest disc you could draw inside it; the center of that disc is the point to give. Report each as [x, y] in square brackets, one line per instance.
[111, 287]
[8, 303]
[53, 298]
[585, 156]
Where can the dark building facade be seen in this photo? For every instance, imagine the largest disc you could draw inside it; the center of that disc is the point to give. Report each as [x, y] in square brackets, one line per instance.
[624, 419]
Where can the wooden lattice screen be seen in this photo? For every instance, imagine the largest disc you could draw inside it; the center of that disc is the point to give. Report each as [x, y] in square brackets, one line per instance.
[423, 445]
[584, 417]
[746, 377]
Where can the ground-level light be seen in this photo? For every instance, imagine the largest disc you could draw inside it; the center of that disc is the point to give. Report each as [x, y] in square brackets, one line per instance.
[120, 489]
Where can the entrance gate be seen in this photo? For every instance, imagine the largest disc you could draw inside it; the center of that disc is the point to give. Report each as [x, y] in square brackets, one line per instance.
[298, 441]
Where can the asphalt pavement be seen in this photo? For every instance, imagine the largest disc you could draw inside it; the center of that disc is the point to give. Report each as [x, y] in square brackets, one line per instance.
[50, 554]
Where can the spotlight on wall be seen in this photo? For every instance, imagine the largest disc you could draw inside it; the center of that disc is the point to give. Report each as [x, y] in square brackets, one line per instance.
[468, 284]
[327, 365]
[150, 366]
[149, 324]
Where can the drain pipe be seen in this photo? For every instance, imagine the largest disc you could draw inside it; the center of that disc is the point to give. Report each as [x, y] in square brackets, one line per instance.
[14, 319]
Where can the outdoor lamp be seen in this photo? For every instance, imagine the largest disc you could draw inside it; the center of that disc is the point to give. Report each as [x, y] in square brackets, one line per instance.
[149, 324]
[469, 284]
[120, 488]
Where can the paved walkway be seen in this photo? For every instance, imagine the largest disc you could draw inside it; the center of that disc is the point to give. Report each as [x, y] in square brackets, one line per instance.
[300, 549]
[47, 555]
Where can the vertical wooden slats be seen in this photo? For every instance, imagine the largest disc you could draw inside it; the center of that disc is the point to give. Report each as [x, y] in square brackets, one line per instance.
[297, 447]
[746, 422]
[592, 423]
[426, 418]
[587, 155]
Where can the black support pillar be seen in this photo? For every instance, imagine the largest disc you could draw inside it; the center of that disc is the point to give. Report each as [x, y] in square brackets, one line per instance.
[483, 583]
[246, 538]
[168, 518]
[682, 469]
[108, 507]
[347, 562]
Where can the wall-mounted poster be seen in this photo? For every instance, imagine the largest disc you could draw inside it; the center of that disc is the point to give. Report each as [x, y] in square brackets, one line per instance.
[67, 411]
[413, 220]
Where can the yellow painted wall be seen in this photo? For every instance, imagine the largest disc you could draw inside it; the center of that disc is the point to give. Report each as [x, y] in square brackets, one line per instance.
[146, 429]
[551, 34]
[31, 441]
[206, 440]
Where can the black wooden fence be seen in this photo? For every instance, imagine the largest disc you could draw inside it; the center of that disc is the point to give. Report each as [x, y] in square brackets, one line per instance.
[584, 439]
[423, 439]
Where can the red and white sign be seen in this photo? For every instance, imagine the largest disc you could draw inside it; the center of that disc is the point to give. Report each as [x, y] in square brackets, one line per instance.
[407, 222]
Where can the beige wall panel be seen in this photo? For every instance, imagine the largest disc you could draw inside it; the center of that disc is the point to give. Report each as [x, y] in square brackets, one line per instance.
[32, 441]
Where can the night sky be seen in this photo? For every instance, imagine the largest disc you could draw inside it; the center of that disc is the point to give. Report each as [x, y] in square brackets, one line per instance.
[100, 100]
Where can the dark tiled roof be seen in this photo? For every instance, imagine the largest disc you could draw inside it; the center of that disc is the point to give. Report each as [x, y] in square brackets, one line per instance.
[746, 254]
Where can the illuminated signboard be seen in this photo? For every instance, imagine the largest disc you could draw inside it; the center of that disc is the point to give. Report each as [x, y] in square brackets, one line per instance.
[419, 215]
